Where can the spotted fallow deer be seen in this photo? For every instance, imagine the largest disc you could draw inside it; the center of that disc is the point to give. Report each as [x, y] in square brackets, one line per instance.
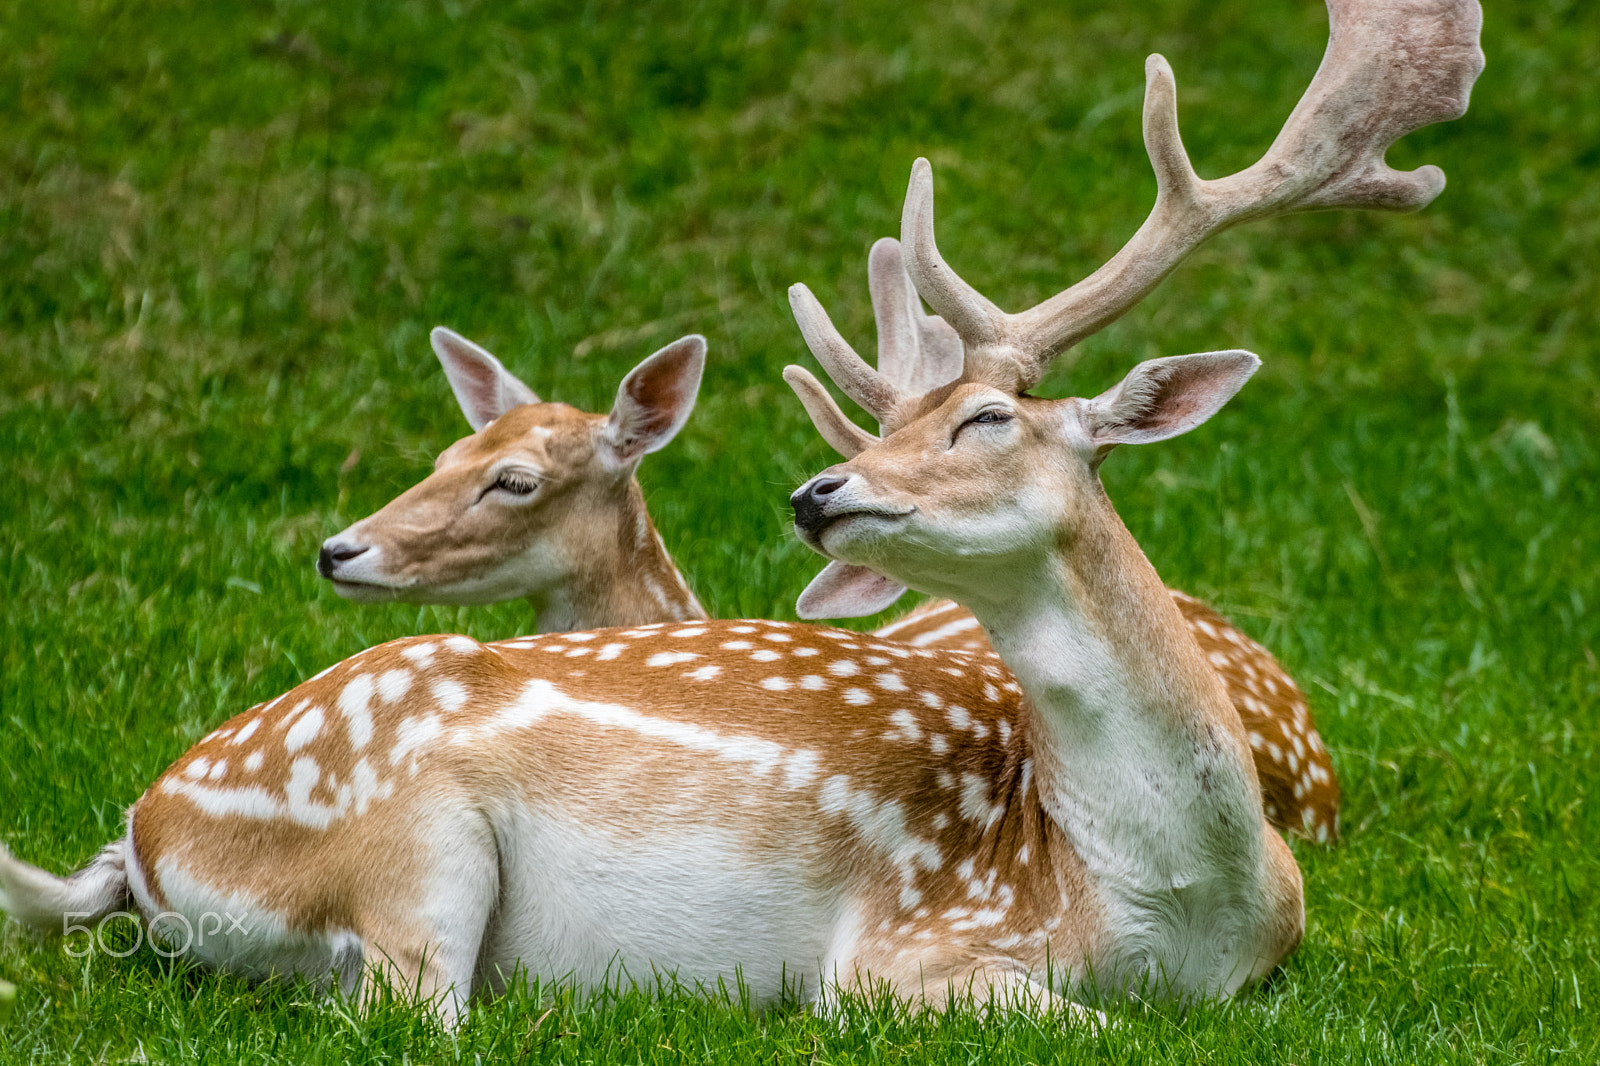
[539, 502]
[797, 806]
[918, 353]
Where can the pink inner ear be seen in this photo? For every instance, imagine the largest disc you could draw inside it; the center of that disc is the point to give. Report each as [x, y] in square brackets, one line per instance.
[657, 397]
[844, 590]
[484, 389]
[1162, 398]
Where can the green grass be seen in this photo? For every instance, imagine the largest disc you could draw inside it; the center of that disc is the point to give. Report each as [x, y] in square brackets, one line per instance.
[225, 229]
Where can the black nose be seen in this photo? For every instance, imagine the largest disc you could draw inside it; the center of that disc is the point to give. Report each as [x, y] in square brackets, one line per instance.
[810, 503]
[329, 557]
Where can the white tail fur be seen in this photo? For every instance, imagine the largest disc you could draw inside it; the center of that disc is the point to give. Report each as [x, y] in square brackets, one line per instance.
[44, 902]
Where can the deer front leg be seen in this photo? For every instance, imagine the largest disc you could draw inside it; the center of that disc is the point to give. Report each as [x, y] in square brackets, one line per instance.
[426, 951]
[998, 987]
[934, 978]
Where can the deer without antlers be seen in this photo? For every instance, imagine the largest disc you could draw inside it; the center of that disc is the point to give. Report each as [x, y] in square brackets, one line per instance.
[540, 502]
[762, 799]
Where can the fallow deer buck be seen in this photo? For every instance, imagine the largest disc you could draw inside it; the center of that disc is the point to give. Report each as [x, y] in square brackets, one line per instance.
[540, 502]
[772, 802]
[918, 353]
[576, 540]
[981, 493]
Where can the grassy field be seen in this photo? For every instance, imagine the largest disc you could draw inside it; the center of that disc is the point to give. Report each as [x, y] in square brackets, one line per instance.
[225, 229]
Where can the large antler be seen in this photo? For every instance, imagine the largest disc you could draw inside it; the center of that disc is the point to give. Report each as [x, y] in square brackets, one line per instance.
[1392, 66]
[917, 353]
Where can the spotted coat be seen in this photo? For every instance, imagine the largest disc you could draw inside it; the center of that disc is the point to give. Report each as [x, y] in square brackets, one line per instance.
[1300, 790]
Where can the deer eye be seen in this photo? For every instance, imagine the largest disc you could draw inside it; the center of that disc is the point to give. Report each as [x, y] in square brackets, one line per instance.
[989, 416]
[517, 482]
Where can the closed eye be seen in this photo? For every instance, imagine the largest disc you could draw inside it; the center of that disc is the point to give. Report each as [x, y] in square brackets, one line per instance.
[989, 416]
[516, 482]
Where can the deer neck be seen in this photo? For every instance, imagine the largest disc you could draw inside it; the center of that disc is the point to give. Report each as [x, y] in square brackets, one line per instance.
[1138, 755]
[622, 577]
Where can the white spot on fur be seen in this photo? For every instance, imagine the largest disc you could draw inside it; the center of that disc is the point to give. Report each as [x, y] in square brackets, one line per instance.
[777, 684]
[393, 684]
[355, 702]
[421, 654]
[813, 683]
[304, 731]
[465, 645]
[882, 824]
[703, 673]
[412, 734]
[671, 658]
[944, 632]
[540, 698]
[906, 723]
[843, 668]
[737, 645]
[450, 695]
[857, 696]
[247, 732]
[975, 805]
[610, 651]
[800, 769]
[766, 655]
[252, 762]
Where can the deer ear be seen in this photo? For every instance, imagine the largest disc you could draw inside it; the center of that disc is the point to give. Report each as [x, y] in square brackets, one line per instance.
[484, 389]
[844, 590]
[1162, 398]
[655, 399]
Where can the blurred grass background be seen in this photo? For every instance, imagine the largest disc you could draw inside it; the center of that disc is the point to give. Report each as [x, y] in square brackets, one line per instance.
[225, 229]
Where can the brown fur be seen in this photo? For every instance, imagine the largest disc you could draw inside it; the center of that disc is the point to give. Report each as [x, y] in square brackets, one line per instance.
[1299, 800]
[359, 872]
[608, 566]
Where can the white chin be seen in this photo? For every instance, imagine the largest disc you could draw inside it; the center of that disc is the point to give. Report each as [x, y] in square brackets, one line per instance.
[361, 592]
[845, 538]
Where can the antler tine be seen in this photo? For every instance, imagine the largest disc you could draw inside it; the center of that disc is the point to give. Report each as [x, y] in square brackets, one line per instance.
[849, 371]
[898, 340]
[977, 321]
[917, 351]
[842, 435]
[1391, 67]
